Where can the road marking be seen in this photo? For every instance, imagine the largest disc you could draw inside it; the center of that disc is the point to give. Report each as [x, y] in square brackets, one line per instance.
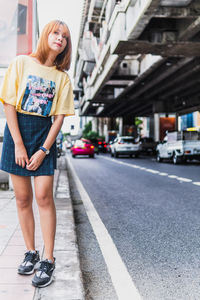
[154, 171]
[163, 174]
[121, 279]
[184, 179]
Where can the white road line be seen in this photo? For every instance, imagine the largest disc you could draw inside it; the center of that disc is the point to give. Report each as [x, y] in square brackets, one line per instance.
[184, 179]
[153, 171]
[196, 183]
[121, 279]
[135, 166]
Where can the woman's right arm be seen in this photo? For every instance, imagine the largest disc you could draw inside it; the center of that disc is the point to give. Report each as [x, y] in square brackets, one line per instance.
[21, 157]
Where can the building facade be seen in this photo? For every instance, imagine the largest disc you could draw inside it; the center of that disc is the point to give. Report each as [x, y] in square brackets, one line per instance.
[138, 58]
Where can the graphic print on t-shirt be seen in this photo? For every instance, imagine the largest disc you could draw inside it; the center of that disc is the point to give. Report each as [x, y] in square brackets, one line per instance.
[38, 96]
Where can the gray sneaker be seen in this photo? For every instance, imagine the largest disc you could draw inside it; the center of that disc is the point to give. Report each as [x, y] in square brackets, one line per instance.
[44, 275]
[30, 263]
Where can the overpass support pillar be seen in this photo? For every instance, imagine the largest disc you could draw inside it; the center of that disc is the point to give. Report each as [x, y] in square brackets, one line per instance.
[158, 108]
[176, 124]
[95, 124]
[120, 126]
[156, 127]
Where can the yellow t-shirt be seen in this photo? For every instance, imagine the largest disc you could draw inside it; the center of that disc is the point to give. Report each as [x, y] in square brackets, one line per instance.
[37, 89]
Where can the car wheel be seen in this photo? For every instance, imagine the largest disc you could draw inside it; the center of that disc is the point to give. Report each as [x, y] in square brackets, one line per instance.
[111, 154]
[73, 155]
[115, 154]
[92, 155]
[136, 155]
[158, 158]
[176, 159]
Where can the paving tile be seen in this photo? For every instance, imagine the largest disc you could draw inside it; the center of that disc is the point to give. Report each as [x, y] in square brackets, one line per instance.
[18, 233]
[16, 250]
[10, 276]
[11, 292]
[10, 262]
[16, 241]
[19, 241]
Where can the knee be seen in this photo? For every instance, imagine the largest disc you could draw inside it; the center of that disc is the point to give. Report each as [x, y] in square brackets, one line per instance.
[44, 200]
[23, 200]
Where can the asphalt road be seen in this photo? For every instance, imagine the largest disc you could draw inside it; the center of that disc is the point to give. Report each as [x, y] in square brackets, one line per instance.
[152, 212]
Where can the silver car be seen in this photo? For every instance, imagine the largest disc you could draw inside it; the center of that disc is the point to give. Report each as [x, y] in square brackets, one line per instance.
[125, 145]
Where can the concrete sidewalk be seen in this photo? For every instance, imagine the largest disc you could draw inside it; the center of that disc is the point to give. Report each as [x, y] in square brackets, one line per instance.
[68, 280]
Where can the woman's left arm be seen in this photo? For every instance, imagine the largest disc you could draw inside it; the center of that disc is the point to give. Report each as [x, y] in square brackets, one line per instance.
[37, 158]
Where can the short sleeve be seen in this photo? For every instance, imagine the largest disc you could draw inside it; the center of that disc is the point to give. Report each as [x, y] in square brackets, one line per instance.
[9, 86]
[65, 102]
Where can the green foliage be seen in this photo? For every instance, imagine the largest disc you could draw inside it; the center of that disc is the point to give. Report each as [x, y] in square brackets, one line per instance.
[92, 135]
[89, 134]
[138, 122]
[87, 129]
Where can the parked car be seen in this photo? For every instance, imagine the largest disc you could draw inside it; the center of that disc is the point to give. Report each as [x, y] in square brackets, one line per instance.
[100, 145]
[125, 145]
[147, 145]
[179, 146]
[82, 147]
[94, 142]
[109, 146]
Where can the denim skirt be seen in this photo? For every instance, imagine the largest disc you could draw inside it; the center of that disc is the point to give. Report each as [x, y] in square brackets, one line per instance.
[34, 130]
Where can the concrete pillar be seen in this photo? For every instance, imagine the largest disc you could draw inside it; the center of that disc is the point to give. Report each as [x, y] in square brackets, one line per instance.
[156, 127]
[176, 126]
[120, 126]
[95, 124]
[105, 130]
[100, 126]
[151, 126]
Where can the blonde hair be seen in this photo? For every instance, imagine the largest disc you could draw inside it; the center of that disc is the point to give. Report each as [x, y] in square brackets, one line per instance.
[63, 60]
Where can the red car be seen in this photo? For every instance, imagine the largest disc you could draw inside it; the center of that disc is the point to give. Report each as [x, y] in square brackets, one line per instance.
[82, 147]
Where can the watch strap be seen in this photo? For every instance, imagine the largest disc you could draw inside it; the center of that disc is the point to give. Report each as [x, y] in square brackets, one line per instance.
[46, 151]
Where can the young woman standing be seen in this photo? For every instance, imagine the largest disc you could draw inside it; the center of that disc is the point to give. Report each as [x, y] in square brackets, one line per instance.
[35, 90]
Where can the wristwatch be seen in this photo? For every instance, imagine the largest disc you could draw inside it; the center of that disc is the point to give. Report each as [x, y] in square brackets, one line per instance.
[46, 151]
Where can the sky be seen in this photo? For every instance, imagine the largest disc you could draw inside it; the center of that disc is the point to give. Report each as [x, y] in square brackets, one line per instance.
[69, 11]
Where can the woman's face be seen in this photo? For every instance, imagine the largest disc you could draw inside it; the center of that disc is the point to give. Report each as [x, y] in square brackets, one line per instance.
[57, 40]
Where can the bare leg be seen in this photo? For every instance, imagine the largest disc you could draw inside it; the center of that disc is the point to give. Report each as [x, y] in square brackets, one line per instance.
[44, 197]
[24, 198]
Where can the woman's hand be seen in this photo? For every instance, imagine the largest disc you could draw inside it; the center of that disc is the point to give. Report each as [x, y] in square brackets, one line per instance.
[21, 157]
[36, 160]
